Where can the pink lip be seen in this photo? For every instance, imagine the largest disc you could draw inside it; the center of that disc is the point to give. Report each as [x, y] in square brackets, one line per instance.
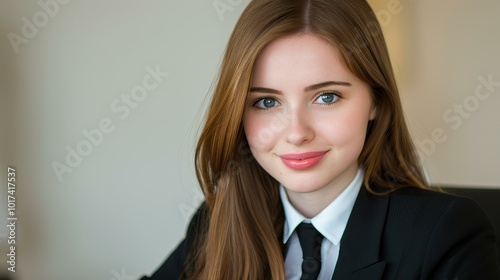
[302, 161]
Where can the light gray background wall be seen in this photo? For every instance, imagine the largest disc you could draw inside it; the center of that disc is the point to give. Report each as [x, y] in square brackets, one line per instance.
[121, 209]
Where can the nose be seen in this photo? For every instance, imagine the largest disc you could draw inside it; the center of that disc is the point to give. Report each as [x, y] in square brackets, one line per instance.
[299, 128]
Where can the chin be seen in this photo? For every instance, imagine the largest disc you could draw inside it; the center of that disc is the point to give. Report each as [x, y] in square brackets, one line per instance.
[305, 187]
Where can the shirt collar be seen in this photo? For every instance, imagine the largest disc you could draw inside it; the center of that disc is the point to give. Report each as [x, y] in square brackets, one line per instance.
[331, 221]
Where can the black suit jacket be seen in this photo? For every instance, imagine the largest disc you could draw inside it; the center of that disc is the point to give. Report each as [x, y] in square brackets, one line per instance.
[408, 234]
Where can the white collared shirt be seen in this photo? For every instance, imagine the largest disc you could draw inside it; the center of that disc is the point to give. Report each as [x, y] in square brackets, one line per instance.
[330, 222]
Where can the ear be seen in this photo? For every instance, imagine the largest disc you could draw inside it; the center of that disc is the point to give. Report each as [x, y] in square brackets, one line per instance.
[373, 112]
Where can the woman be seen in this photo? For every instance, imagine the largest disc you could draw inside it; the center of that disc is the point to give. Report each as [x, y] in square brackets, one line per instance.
[305, 139]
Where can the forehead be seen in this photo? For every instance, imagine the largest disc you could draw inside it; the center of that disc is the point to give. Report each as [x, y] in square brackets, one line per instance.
[300, 58]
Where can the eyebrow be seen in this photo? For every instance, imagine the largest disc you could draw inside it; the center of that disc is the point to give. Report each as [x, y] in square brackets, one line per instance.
[308, 88]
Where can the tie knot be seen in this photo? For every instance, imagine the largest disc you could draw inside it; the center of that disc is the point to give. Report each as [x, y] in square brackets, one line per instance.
[310, 240]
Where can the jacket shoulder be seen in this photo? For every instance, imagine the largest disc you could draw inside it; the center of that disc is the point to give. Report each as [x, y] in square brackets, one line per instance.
[419, 211]
[443, 235]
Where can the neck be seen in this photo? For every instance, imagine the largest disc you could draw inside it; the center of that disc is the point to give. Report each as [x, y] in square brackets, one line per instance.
[311, 204]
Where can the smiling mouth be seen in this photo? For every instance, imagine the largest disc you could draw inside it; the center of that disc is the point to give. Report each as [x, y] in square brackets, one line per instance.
[302, 161]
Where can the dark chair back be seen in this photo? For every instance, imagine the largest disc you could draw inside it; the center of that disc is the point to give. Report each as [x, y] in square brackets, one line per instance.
[489, 199]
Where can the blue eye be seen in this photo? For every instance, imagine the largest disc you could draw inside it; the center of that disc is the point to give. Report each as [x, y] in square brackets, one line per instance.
[266, 103]
[327, 98]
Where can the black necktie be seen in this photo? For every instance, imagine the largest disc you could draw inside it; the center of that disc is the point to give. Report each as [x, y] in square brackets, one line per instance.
[310, 241]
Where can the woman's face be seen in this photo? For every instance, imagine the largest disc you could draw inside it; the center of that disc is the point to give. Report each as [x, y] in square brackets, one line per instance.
[306, 116]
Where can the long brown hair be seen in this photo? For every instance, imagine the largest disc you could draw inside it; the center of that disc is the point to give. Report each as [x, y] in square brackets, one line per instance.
[241, 236]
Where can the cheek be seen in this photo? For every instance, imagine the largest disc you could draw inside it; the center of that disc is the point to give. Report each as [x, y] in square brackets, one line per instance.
[264, 131]
[346, 130]
[261, 132]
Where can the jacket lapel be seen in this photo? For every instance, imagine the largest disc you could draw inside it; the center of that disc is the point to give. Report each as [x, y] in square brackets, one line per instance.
[360, 244]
